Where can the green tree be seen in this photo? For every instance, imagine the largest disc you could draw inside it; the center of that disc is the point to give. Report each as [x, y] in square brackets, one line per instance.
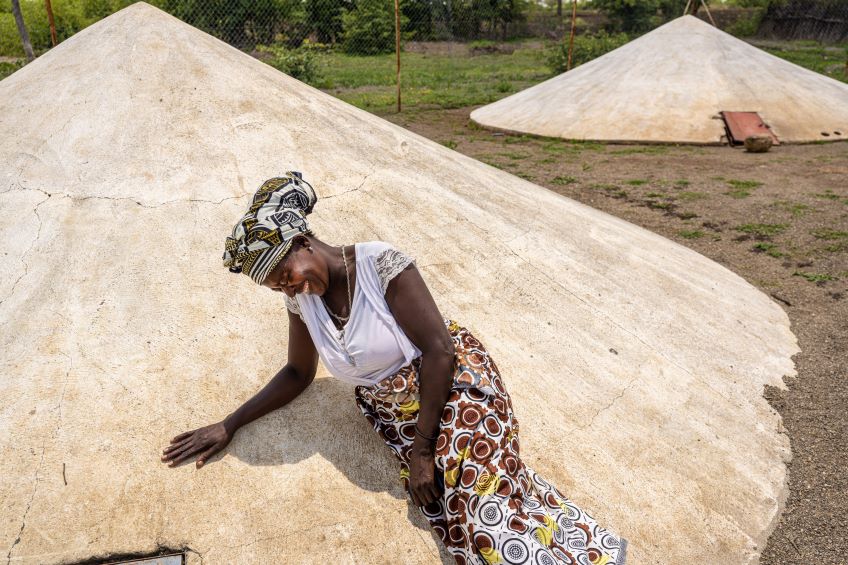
[639, 16]
[369, 28]
[325, 19]
[242, 23]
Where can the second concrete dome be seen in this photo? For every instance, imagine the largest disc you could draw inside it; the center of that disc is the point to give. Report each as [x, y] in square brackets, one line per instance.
[669, 86]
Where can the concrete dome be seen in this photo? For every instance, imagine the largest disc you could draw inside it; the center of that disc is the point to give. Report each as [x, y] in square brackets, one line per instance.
[669, 86]
[126, 154]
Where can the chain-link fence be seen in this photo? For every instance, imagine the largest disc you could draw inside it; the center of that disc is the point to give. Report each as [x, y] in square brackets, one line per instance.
[287, 33]
[368, 26]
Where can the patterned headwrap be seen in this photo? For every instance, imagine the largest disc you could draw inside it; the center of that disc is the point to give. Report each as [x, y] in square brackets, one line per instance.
[265, 233]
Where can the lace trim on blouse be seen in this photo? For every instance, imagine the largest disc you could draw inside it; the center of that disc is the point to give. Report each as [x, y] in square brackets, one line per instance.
[293, 306]
[389, 264]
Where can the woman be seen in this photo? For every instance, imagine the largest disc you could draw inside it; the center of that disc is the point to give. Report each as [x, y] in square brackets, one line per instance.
[426, 384]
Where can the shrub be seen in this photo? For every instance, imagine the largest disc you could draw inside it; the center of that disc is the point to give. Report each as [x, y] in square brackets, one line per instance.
[369, 29]
[586, 48]
[300, 63]
[8, 68]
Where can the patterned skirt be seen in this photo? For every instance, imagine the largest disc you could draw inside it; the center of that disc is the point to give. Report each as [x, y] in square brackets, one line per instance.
[494, 509]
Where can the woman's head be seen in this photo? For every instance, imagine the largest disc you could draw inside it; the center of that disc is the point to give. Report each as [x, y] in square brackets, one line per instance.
[263, 237]
[304, 269]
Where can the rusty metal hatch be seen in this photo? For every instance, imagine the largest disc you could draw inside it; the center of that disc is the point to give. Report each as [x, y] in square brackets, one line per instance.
[741, 125]
[172, 559]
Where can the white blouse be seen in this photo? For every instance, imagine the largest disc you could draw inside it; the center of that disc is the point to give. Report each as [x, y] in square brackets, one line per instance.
[371, 346]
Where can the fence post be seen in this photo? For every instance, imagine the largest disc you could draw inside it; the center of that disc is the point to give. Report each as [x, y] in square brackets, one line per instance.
[52, 22]
[397, 49]
[22, 30]
[571, 37]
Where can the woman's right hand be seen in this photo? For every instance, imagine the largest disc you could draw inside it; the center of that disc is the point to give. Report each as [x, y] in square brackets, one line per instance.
[207, 441]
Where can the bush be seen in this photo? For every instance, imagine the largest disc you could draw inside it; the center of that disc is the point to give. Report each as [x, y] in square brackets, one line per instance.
[325, 19]
[300, 63]
[586, 48]
[747, 27]
[242, 23]
[630, 16]
[369, 29]
[8, 68]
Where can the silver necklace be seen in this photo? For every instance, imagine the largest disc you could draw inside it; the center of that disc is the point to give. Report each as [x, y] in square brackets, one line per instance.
[343, 319]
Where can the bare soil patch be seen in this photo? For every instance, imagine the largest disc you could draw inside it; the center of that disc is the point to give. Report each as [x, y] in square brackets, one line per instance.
[778, 219]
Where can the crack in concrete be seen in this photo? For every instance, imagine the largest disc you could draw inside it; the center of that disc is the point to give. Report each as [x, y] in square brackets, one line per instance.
[605, 408]
[58, 410]
[49, 195]
[361, 184]
[29, 505]
[28, 249]
[198, 553]
[125, 198]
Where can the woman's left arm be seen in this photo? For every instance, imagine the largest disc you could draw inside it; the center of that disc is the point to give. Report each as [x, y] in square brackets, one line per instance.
[416, 313]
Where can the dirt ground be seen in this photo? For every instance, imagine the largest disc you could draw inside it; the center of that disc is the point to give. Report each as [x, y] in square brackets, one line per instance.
[780, 220]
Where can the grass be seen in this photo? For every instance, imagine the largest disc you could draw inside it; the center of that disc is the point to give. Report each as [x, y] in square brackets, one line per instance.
[764, 231]
[450, 144]
[691, 234]
[571, 147]
[612, 190]
[637, 182]
[653, 204]
[767, 248]
[514, 156]
[563, 180]
[829, 234]
[690, 195]
[439, 81]
[741, 188]
[794, 208]
[828, 194]
[646, 150]
[7, 68]
[682, 183]
[814, 277]
[816, 57]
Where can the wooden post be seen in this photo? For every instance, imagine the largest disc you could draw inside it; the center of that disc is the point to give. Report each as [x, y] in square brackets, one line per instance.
[397, 49]
[22, 31]
[49, 7]
[571, 38]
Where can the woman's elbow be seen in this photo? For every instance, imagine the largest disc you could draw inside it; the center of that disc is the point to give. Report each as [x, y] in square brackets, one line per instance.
[440, 349]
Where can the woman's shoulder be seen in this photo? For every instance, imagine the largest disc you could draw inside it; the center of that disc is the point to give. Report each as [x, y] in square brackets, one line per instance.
[378, 249]
[388, 260]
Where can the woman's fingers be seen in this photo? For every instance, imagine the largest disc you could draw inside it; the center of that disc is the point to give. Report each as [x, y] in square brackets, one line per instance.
[416, 500]
[424, 494]
[434, 493]
[176, 449]
[187, 452]
[201, 460]
[182, 436]
[177, 445]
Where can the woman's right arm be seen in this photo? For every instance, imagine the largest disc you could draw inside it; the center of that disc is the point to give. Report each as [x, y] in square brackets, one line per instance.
[286, 385]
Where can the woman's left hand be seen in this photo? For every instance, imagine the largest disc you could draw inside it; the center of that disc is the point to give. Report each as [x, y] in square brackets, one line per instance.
[422, 473]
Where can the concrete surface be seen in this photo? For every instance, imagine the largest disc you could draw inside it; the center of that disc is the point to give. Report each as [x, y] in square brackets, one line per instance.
[669, 86]
[636, 365]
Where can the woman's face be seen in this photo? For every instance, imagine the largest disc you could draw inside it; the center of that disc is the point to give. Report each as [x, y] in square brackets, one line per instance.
[299, 272]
